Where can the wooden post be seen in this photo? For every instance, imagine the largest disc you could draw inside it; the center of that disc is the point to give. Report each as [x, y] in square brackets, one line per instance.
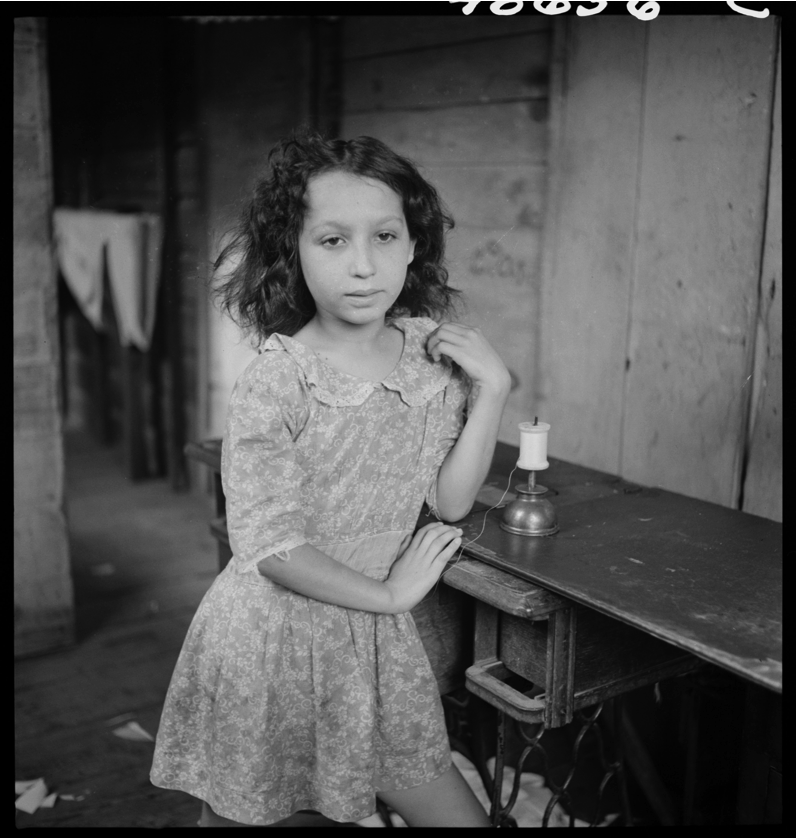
[325, 93]
[133, 415]
[760, 783]
[43, 597]
[487, 622]
[172, 311]
[560, 686]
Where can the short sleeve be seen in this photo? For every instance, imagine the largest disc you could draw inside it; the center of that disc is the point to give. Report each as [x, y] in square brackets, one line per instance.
[453, 415]
[261, 473]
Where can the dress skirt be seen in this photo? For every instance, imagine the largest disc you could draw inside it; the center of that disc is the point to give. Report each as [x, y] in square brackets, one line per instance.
[280, 702]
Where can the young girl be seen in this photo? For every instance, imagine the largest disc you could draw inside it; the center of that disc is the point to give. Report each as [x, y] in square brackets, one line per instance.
[303, 683]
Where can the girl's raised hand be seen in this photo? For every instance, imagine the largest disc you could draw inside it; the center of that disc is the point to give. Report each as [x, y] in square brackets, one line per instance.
[473, 353]
[417, 569]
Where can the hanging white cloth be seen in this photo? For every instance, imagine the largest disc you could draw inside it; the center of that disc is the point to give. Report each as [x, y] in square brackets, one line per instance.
[79, 242]
[133, 243]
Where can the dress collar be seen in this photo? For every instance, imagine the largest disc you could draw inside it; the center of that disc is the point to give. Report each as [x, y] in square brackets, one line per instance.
[416, 377]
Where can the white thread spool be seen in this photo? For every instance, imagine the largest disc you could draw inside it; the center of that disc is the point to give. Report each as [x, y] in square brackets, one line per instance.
[533, 446]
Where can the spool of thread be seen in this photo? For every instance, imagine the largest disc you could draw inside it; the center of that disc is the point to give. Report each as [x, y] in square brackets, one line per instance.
[533, 446]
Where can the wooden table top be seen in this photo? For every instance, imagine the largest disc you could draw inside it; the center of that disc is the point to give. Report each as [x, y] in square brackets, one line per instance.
[703, 577]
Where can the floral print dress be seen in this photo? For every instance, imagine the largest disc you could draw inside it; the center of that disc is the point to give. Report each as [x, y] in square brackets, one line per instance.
[280, 702]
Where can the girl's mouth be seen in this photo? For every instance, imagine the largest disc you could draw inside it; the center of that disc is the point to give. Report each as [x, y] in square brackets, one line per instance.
[363, 299]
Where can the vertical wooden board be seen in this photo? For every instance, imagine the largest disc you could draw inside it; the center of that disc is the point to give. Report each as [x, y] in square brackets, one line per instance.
[43, 604]
[27, 101]
[589, 238]
[39, 467]
[498, 273]
[43, 587]
[484, 71]
[373, 35]
[699, 234]
[492, 196]
[763, 486]
[513, 133]
[253, 90]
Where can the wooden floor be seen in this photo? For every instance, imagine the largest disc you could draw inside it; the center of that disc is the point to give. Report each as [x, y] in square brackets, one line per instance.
[142, 558]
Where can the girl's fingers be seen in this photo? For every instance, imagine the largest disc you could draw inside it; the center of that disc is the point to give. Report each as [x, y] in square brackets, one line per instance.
[429, 529]
[445, 554]
[451, 350]
[454, 335]
[454, 328]
[443, 347]
[437, 542]
[425, 534]
[457, 335]
[450, 337]
[444, 540]
[442, 533]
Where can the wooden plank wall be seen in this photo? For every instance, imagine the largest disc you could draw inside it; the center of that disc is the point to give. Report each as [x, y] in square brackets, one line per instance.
[588, 259]
[467, 99]
[763, 484]
[43, 599]
[253, 89]
[184, 332]
[654, 239]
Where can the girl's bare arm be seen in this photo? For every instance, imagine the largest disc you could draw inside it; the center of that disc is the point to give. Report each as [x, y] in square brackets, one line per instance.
[467, 463]
[310, 572]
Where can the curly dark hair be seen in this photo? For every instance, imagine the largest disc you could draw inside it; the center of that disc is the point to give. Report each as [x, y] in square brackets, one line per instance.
[265, 292]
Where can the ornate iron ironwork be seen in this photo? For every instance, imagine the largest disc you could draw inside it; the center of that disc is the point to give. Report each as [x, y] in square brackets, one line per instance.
[465, 726]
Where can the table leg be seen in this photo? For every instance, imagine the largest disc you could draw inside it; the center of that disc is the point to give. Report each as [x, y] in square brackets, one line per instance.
[587, 721]
[470, 723]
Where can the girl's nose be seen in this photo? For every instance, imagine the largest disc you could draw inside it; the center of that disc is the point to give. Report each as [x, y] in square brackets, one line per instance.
[362, 263]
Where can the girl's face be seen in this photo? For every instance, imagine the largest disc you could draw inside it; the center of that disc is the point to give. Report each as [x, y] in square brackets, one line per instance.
[354, 247]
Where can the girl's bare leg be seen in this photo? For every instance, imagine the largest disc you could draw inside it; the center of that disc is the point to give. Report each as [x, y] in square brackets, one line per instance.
[446, 801]
[210, 818]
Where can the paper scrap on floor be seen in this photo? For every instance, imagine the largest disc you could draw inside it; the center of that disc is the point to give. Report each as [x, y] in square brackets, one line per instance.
[32, 795]
[134, 732]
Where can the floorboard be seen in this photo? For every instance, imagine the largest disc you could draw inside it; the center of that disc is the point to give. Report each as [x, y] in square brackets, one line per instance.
[142, 558]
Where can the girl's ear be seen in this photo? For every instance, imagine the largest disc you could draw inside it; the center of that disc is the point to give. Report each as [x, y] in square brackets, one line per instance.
[411, 251]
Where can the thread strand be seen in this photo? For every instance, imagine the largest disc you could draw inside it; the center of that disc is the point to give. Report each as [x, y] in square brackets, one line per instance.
[483, 527]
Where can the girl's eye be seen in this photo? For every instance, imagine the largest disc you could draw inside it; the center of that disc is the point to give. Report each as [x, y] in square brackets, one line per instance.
[337, 241]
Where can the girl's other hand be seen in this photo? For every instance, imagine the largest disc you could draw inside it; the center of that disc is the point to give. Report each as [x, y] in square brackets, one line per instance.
[473, 353]
[417, 569]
